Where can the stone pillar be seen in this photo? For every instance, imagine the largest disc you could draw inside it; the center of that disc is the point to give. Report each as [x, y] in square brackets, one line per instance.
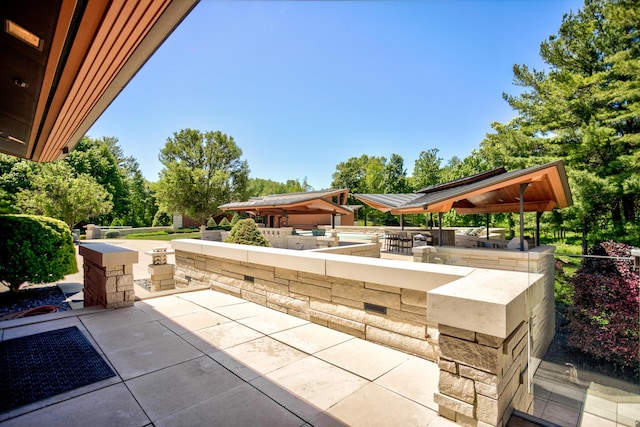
[483, 378]
[162, 274]
[484, 345]
[108, 275]
[424, 254]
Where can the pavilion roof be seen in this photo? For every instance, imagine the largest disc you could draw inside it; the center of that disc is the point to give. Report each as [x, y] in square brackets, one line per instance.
[493, 191]
[307, 202]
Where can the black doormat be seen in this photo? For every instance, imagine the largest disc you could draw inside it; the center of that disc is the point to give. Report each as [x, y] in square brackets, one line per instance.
[42, 365]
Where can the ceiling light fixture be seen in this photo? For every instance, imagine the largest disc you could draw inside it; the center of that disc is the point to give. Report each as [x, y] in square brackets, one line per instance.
[11, 138]
[23, 34]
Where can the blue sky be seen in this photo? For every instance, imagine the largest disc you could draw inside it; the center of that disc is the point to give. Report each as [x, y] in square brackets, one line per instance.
[304, 85]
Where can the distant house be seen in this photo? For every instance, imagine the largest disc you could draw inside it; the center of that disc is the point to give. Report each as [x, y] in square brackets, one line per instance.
[304, 210]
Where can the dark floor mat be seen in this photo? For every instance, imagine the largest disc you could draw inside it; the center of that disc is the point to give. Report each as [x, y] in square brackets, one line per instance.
[42, 365]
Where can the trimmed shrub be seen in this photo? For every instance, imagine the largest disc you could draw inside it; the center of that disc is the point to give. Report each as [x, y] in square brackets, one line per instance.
[246, 232]
[34, 249]
[211, 223]
[112, 234]
[235, 219]
[604, 317]
[162, 218]
[224, 222]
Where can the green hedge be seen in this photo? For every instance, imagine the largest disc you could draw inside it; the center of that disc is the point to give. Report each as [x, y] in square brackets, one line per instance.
[34, 249]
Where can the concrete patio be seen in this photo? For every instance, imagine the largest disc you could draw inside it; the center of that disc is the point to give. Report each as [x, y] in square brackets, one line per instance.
[206, 358]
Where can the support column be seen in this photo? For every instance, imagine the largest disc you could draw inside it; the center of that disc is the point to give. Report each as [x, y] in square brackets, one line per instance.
[108, 275]
[485, 344]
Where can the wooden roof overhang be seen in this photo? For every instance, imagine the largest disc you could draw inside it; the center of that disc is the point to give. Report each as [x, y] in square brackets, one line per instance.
[311, 202]
[543, 187]
[65, 61]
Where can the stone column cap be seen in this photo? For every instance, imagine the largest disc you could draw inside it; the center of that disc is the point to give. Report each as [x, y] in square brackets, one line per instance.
[491, 302]
[104, 254]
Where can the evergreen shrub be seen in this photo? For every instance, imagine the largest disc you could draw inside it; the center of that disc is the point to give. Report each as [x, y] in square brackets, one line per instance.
[34, 249]
[246, 232]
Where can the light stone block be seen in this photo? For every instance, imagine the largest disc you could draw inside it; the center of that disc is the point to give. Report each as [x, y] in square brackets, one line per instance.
[385, 288]
[230, 251]
[402, 342]
[454, 404]
[447, 413]
[422, 311]
[447, 365]
[187, 246]
[285, 273]
[465, 421]
[287, 259]
[111, 284]
[489, 340]
[271, 287]
[416, 276]
[310, 290]
[253, 297]
[415, 298]
[288, 302]
[371, 296]
[491, 302]
[458, 387]
[356, 326]
[457, 332]
[487, 410]
[404, 315]
[486, 390]
[471, 354]
[161, 269]
[104, 254]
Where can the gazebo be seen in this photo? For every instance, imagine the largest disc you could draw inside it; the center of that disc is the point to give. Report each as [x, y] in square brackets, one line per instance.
[534, 189]
[316, 204]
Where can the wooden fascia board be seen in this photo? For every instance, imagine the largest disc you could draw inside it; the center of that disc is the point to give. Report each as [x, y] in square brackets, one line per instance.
[49, 105]
[122, 29]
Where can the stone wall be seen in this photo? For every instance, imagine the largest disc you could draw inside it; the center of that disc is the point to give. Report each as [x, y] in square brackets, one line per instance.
[383, 301]
[539, 260]
[483, 378]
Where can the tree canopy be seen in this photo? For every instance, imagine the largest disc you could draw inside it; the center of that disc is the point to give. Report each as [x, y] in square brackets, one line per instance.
[57, 192]
[201, 170]
[583, 110]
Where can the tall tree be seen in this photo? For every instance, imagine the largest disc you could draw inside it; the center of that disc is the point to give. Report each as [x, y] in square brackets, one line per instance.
[426, 169]
[56, 191]
[352, 174]
[95, 158]
[395, 176]
[201, 171]
[585, 110]
[14, 176]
